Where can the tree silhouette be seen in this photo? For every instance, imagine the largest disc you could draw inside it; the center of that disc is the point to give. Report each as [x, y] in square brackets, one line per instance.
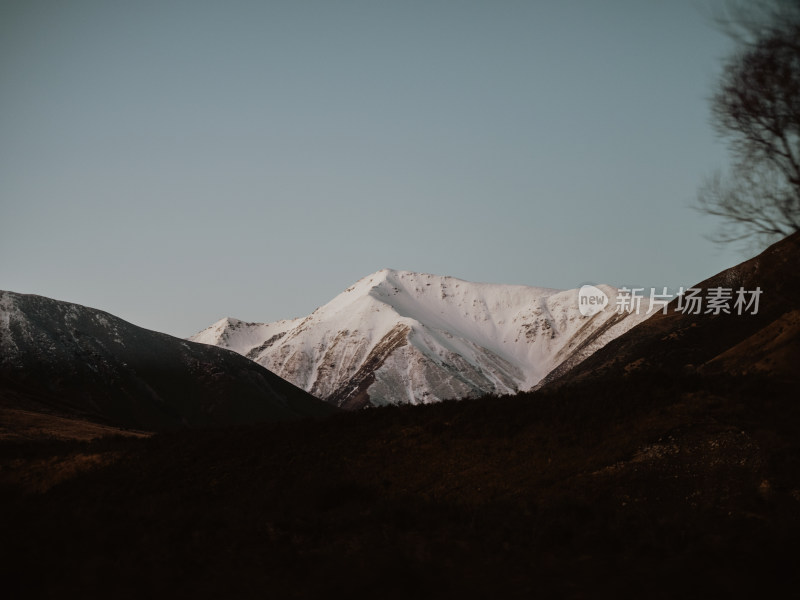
[756, 107]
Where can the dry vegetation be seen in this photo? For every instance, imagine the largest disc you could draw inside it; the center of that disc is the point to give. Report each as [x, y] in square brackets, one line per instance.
[26, 425]
[647, 488]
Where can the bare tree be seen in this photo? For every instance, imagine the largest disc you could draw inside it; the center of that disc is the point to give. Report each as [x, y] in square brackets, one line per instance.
[756, 107]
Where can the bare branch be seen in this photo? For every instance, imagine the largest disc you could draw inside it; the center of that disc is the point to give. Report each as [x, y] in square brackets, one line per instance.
[756, 107]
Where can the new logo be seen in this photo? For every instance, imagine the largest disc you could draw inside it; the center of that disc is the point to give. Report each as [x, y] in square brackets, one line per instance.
[591, 300]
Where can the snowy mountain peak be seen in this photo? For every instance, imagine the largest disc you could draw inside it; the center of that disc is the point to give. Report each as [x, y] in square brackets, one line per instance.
[399, 336]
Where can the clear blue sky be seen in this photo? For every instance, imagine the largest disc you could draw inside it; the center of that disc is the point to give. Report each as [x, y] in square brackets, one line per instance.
[177, 162]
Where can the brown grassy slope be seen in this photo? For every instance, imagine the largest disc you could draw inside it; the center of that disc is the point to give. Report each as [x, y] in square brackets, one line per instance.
[25, 425]
[678, 343]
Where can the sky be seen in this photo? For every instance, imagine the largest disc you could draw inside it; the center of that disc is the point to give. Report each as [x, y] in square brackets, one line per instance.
[174, 163]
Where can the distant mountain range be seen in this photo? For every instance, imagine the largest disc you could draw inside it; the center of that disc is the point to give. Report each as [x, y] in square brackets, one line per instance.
[399, 337]
[67, 359]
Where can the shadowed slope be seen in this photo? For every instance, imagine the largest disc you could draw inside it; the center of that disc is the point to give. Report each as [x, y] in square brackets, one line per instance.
[77, 361]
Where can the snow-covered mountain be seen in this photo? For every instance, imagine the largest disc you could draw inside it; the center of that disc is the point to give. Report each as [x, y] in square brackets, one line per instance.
[63, 358]
[401, 337]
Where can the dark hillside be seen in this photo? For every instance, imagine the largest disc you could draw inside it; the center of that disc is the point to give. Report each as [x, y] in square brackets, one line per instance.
[73, 361]
[667, 466]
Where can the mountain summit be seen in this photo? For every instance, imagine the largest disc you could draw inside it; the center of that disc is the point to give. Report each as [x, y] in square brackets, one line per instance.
[400, 337]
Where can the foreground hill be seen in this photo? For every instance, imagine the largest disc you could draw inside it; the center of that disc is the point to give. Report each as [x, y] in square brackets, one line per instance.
[640, 491]
[75, 361]
[398, 337]
[655, 481]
